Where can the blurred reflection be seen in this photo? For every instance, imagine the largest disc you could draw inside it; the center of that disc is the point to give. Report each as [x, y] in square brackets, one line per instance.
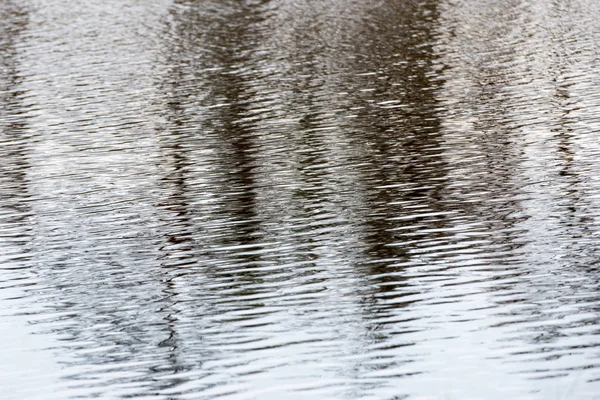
[294, 146]
[14, 212]
[509, 122]
[333, 199]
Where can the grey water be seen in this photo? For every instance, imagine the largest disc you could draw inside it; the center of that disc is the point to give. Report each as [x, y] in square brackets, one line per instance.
[285, 199]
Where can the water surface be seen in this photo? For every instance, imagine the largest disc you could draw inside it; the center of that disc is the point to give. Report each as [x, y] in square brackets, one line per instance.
[283, 199]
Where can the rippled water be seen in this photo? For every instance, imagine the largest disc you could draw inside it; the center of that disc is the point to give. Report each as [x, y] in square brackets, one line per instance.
[300, 199]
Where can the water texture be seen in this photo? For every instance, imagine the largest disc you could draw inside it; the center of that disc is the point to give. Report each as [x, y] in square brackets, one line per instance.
[326, 199]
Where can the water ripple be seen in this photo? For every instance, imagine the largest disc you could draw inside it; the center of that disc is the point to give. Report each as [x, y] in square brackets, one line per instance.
[266, 199]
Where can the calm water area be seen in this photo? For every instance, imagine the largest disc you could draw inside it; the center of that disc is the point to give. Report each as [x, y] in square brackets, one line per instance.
[286, 199]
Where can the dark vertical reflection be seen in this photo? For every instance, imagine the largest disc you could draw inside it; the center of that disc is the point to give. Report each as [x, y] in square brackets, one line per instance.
[14, 211]
[395, 127]
[512, 124]
[88, 183]
[483, 152]
[397, 119]
[209, 207]
[392, 125]
[310, 148]
[325, 199]
[207, 151]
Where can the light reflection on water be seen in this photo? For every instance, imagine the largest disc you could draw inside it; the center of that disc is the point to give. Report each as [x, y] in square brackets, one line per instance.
[257, 199]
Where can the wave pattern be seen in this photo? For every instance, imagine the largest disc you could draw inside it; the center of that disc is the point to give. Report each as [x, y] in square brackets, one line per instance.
[326, 199]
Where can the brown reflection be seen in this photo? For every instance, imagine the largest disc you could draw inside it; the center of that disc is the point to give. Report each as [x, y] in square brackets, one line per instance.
[209, 179]
[328, 130]
[578, 207]
[368, 78]
[398, 120]
[381, 85]
[316, 162]
[223, 35]
[13, 146]
[354, 133]
[501, 102]
[403, 173]
[269, 126]
[484, 154]
[516, 96]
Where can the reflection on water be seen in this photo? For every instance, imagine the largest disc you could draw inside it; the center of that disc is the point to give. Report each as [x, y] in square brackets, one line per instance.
[342, 199]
